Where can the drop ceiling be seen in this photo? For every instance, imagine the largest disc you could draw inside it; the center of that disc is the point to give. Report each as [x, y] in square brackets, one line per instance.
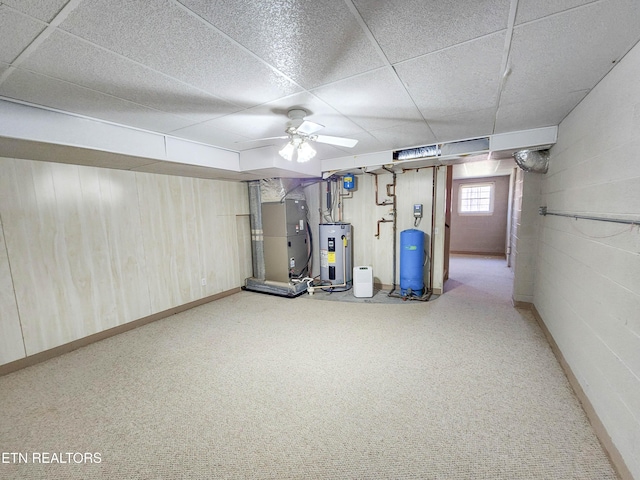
[391, 74]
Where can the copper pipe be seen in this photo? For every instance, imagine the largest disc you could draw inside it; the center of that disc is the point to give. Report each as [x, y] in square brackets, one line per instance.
[382, 220]
[395, 227]
[378, 202]
[389, 186]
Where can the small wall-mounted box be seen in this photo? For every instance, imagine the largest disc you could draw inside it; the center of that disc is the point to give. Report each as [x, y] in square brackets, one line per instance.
[417, 210]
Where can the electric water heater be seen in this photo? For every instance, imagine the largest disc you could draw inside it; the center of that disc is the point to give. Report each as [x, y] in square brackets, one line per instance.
[335, 255]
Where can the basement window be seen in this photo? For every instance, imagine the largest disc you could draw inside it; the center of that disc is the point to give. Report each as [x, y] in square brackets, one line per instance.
[476, 198]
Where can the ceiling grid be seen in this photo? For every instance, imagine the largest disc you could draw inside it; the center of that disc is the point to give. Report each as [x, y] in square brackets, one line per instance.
[391, 75]
[40, 38]
[504, 67]
[388, 65]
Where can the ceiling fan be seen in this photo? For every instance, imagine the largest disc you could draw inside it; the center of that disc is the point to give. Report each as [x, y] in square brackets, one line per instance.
[300, 132]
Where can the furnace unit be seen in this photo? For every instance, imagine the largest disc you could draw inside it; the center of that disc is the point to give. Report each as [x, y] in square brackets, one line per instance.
[286, 247]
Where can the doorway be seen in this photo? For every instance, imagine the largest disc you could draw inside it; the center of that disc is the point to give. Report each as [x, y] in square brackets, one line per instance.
[478, 223]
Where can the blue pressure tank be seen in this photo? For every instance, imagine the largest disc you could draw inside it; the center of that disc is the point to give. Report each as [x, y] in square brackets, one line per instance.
[412, 262]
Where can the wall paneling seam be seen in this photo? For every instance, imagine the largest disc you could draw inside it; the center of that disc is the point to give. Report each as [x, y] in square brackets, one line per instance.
[13, 285]
[144, 250]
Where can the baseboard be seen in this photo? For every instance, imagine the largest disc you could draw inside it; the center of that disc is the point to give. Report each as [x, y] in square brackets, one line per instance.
[601, 432]
[96, 337]
[478, 254]
[522, 305]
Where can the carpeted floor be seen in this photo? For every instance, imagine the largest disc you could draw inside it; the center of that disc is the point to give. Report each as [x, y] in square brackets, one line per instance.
[260, 387]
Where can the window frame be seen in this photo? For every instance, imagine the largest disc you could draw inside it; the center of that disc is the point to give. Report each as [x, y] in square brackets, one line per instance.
[492, 195]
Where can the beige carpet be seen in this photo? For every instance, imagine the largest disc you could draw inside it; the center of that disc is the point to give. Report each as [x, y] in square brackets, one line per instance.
[260, 387]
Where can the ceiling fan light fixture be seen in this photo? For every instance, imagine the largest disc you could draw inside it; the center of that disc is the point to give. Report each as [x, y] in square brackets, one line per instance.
[305, 152]
[287, 151]
[301, 132]
[299, 147]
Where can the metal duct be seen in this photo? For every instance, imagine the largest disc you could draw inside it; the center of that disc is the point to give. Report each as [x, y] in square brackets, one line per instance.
[535, 161]
[276, 189]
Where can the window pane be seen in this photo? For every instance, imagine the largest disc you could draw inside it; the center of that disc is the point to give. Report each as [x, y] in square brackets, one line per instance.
[476, 198]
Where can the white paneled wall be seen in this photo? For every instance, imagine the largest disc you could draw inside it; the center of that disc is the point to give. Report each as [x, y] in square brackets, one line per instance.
[587, 284]
[363, 213]
[169, 217]
[73, 240]
[243, 227]
[11, 344]
[93, 248]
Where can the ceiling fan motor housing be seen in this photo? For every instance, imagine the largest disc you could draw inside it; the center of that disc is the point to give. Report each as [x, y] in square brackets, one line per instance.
[297, 118]
[297, 114]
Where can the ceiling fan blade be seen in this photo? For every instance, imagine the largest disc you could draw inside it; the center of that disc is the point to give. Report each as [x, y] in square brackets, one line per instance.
[307, 127]
[339, 141]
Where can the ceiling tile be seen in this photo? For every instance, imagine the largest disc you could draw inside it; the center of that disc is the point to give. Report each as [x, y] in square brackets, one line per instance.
[463, 125]
[367, 143]
[40, 90]
[161, 35]
[411, 28]
[324, 151]
[408, 135]
[44, 10]
[464, 78]
[534, 113]
[571, 51]
[206, 133]
[533, 9]
[312, 42]
[373, 100]
[18, 31]
[68, 58]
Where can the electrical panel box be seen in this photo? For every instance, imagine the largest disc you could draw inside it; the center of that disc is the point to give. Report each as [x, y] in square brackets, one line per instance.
[286, 247]
[417, 210]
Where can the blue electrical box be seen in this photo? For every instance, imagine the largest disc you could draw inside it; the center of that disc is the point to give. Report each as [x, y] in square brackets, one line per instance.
[349, 181]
